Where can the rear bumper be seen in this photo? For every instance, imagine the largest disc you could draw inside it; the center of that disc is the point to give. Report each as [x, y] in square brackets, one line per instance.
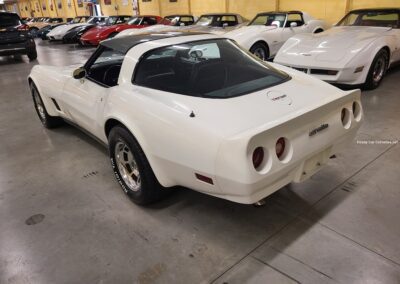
[17, 48]
[296, 172]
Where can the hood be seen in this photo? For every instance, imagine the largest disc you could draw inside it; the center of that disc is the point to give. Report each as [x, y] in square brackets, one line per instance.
[206, 29]
[95, 30]
[248, 31]
[333, 45]
[154, 28]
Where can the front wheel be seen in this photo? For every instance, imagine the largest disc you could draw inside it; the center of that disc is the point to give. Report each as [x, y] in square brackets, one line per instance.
[131, 168]
[377, 70]
[260, 50]
[47, 120]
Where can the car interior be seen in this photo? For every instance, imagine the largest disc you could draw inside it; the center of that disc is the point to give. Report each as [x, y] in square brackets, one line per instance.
[194, 72]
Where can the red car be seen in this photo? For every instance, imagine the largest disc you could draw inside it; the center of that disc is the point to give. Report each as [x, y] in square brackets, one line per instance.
[97, 34]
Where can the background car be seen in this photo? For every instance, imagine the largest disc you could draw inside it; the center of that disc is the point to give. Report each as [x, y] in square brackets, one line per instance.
[169, 23]
[267, 32]
[15, 37]
[231, 125]
[34, 27]
[94, 36]
[74, 34]
[357, 51]
[59, 32]
[42, 33]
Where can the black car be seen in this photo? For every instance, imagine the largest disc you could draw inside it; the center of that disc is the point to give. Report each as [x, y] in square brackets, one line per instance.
[15, 37]
[74, 34]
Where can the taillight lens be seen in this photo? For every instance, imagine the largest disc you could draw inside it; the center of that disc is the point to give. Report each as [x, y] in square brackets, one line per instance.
[23, 27]
[258, 157]
[280, 147]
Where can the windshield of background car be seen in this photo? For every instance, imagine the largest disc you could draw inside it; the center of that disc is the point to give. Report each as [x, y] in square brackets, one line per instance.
[135, 21]
[269, 20]
[9, 20]
[216, 68]
[372, 19]
[204, 21]
[78, 20]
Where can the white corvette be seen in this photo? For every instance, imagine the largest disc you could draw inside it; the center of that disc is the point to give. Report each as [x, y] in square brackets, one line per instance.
[196, 110]
[59, 32]
[358, 50]
[267, 32]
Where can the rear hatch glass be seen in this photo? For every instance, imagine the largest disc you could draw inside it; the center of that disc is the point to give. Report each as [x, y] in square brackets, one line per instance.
[9, 20]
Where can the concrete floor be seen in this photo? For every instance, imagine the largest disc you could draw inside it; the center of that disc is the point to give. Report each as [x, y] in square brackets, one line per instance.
[342, 226]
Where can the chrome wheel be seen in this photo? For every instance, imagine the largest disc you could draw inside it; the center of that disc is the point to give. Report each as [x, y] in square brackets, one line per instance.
[127, 166]
[379, 69]
[260, 53]
[39, 105]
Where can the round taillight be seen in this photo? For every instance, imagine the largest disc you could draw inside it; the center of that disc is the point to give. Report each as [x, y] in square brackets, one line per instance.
[258, 157]
[280, 147]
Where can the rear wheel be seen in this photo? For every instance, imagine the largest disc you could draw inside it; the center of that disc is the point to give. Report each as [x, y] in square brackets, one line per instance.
[131, 168]
[377, 70]
[260, 50]
[47, 120]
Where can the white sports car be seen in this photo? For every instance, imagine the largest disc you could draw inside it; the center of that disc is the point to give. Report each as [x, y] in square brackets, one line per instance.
[267, 32]
[198, 111]
[59, 32]
[358, 50]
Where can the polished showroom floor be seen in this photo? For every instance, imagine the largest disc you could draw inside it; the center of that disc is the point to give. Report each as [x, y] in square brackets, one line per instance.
[64, 219]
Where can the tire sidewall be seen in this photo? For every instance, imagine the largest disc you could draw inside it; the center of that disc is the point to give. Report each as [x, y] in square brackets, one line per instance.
[45, 120]
[119, 134]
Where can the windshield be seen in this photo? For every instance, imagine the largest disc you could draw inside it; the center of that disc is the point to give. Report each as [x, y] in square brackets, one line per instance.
[135, 21]
[215, 68]
[388, 19]
[78, 20]
[9, 20]
[204, 21]
[277, 20]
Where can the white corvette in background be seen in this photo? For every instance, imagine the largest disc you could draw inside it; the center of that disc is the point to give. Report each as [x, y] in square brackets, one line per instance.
[358, 50]
[59, 32]
[267, 32]
[197, 111]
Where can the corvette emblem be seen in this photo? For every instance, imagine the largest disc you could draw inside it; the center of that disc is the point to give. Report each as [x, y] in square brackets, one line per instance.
[317, 130]
[277, 96]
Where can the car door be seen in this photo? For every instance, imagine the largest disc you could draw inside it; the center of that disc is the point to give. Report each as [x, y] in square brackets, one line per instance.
[84, 98]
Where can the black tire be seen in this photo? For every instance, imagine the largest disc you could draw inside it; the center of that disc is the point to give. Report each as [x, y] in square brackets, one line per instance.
[47, 120]
[149, 190]
[377, 70]
[32, 55]
[111, 35]
[260, 50]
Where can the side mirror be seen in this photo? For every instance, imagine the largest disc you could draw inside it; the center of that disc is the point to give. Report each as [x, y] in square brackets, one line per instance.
[79, 73]
[293, 24]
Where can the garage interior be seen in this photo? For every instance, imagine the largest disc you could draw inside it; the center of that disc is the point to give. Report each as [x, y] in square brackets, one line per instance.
[64, 218]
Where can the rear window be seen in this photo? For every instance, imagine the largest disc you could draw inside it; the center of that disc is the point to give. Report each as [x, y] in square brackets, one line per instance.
[9, 20]
[209, 68]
